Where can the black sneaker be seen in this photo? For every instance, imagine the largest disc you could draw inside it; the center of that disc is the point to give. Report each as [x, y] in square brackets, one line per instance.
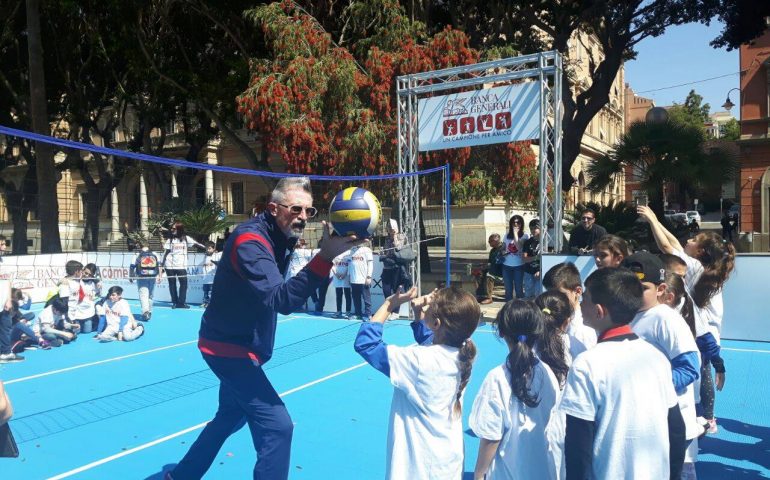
[146, 316]
[174, 305]
[183, 305]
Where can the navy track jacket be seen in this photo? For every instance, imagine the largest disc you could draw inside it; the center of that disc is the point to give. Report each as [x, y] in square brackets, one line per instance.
[249, 291]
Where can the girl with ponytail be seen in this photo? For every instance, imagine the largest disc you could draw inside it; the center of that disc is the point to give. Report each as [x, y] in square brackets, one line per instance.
[710, 260]
[425, 436]
[513, 406]
[553, 346]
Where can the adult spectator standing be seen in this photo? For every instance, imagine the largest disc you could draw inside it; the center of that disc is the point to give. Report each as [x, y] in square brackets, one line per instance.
[237, 331]
[586, 234]
[393, 274]
[513, 262]
[175, 263]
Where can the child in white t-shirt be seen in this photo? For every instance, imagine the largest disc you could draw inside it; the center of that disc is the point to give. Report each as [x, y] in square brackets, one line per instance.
[710, 260]
[666, 330]
[121, 324]
[565, 278]
[52, 323]
[300, 257]
[425, 435]
[515, 402]
[341, 282]
[621, 407]
[209, 268]
[360, 271]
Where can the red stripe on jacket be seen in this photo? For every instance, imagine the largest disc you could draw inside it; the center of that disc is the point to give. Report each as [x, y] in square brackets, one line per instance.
[241, 239]
[222, 349]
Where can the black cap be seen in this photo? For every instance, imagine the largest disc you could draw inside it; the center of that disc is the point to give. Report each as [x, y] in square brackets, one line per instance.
[646, 266]
[534, 223]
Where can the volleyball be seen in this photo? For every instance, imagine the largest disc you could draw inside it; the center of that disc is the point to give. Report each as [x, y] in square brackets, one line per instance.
[355, 211]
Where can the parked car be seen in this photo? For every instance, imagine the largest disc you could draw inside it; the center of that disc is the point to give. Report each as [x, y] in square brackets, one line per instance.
[678, 219]
[692, 215]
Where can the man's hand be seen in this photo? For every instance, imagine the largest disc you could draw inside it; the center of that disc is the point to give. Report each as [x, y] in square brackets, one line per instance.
[333, 245]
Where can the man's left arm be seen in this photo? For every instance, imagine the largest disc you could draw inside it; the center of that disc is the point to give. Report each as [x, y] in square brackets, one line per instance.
[254, 262]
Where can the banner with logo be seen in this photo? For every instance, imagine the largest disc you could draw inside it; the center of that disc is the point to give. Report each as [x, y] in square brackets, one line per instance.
[480, 117]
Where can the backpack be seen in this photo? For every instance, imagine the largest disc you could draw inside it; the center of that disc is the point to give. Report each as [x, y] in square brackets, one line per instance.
[147, 265]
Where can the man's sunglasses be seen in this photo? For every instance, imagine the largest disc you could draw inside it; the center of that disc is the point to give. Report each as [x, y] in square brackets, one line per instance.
[297, 210]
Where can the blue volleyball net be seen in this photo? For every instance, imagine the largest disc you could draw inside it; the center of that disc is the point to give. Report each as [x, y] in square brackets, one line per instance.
[110, 200]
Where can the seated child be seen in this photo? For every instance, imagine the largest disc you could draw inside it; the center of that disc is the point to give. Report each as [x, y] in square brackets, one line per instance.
[22, 334]
[53, 326]
[120, 323]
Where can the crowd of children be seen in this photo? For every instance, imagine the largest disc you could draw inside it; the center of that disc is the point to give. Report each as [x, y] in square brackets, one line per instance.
[606, 378]
[78, 306]
[610, 377]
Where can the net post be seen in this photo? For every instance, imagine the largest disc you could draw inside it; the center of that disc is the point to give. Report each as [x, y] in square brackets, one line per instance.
[447, 214]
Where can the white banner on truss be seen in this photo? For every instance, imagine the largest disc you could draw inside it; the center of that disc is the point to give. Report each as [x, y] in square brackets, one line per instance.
[480, 117]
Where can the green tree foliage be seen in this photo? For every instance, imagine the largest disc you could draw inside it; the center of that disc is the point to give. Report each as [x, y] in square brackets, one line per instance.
[533, 25]
[664, 152]
[692, 112]
[743, 20]
[732, 130]
[331, 109]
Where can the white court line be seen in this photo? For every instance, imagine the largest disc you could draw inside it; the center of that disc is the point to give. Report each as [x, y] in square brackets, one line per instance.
[83, 365]
[114, 359]
[190, 429]
[745, 350]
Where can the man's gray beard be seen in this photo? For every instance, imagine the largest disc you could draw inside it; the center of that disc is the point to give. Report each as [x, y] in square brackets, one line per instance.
[297, 232]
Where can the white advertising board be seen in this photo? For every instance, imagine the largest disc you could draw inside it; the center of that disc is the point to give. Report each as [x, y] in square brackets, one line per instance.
[480, 117]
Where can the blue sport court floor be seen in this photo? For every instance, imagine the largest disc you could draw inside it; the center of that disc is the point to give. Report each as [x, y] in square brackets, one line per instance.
[130, 410]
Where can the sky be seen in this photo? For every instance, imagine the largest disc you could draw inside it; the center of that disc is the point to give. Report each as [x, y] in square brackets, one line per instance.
[683, 55]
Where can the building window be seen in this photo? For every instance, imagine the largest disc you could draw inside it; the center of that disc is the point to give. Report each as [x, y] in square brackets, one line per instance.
[236, 196]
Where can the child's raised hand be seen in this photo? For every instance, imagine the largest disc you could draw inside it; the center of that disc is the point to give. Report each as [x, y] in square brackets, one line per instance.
[420, 305]
[401, 297]
[646, 213]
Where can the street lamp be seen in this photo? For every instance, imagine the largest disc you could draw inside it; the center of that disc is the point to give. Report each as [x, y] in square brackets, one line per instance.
[656, 115]
[728, 104]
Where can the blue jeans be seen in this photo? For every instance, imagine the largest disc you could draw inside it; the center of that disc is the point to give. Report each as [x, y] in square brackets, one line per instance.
[6, 326]
[513, 277]
[146, 287]
[207, 292]
[245, 397]
[361, 292]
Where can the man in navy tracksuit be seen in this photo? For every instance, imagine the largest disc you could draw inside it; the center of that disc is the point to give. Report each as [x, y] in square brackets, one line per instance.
[238, 328]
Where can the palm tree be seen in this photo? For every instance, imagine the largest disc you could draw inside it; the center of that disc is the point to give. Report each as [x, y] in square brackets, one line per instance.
[664, 152]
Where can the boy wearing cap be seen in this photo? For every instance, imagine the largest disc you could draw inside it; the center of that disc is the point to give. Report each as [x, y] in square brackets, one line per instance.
[531, 253]
[667, 331]
[622, 420]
